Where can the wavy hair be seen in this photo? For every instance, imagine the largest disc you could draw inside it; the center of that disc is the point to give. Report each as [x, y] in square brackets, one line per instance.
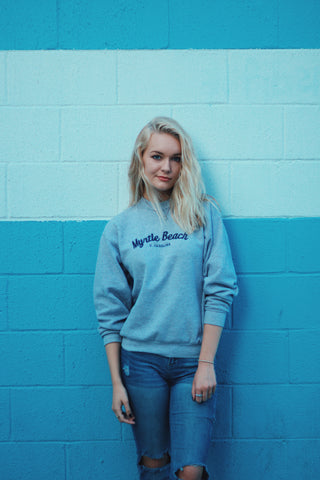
[188, 193]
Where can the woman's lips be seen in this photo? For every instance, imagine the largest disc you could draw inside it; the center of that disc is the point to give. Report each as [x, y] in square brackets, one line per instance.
[164, 179]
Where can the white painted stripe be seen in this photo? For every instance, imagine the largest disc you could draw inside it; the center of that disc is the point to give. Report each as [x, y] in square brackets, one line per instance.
[2, 78]
[61, 77]
[62, 190]
[68, 120]
[3, 200]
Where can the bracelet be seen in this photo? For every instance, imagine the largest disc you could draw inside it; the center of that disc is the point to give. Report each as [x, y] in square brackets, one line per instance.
[205, 361]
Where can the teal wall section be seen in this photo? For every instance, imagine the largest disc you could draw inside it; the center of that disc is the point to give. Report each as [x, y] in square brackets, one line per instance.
[140, 24]
[55, 393]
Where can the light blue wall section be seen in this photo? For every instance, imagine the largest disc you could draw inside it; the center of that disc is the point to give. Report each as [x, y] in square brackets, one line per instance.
[132, 24]
[55, 388]
[69, 119]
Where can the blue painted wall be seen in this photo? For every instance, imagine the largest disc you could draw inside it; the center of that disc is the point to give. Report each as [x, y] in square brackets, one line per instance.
[140, 24]
[55, 393]
[263, 160]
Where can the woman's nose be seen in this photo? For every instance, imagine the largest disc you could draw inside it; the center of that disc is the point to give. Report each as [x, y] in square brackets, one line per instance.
[166, 167]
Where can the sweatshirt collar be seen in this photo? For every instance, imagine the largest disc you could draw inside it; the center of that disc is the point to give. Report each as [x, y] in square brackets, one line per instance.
[165, 205]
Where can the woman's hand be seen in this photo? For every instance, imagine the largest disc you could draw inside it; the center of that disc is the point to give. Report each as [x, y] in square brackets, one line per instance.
[119, 401]
[204, 382]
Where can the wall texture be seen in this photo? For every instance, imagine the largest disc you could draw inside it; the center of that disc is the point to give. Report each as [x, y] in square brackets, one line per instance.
[145, 24]
[77, 82]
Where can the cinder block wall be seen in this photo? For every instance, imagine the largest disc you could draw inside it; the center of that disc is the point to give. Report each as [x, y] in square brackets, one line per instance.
[249, 96]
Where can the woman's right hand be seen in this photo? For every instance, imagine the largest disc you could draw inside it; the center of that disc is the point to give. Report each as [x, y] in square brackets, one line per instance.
[119, 400]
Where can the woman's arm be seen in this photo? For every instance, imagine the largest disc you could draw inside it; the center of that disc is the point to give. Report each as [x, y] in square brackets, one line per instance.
[112, 292]
[219, 288]
[119, 393]
[112, 298]
[204, 382]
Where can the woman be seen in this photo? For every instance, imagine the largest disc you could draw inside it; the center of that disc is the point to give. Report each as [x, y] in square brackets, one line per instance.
[163, 286]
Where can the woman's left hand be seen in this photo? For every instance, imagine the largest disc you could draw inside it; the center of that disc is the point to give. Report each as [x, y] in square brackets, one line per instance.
[204, 382]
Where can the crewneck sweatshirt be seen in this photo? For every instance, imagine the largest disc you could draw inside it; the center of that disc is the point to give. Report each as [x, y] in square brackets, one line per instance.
[156, 286]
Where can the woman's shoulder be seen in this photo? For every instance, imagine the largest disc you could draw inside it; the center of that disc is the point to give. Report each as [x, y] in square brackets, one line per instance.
[120, 221]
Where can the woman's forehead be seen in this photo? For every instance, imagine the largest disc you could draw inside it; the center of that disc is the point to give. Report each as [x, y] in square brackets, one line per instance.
[163, 142]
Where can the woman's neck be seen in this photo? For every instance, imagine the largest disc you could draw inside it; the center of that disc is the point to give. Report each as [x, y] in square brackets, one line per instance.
[162, 197]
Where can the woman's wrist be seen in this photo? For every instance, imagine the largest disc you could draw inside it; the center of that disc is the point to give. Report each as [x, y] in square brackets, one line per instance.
[117, 383]
[205, 361]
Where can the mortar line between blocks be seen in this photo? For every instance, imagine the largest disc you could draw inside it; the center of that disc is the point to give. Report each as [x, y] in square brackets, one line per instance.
[232, 316]
[63, 239]
[117, 77]
[6, 206]
[252, 439]
[228, 77]
[118, 188]
[59, 135]
[58, 23]
[229, 165]
[181, 104]
[289, 360]
[64, 358]
[169, 25]
[7, 303]
[6, 78]
[66, 461]
[232, 412]
[283, 146]
[286, 244]
[278, 24]
[103, 386]
[10, 417]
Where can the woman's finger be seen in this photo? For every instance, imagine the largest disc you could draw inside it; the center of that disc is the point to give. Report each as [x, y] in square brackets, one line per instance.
[128, 409]
[122, 417]
[126, 412]
[193, 391]
[199, 396]
[118, 415]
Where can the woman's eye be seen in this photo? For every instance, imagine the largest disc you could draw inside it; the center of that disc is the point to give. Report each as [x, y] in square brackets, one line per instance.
[156, 157]
[177, 159]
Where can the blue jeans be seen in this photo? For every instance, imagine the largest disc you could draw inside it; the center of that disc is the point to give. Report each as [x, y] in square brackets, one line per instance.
[167, 420]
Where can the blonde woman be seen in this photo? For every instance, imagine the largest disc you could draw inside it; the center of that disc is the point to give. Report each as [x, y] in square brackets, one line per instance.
[163, 286]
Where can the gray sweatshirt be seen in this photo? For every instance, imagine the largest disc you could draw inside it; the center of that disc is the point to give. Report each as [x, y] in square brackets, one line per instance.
[155, 286]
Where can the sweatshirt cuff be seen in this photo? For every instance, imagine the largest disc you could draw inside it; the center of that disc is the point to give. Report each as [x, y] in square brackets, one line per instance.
[215, 317]
[112, 337]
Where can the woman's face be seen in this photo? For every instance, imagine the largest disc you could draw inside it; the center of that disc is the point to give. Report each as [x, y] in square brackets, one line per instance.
[162, 163]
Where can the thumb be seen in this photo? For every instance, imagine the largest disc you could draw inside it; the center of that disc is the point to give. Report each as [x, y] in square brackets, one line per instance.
[193, 391]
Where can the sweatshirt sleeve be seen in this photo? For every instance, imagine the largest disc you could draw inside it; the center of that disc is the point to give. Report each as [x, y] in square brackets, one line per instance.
[220, 281]
[112, 291]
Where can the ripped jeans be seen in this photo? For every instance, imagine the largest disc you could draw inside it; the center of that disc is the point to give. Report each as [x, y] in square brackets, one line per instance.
[167, 420]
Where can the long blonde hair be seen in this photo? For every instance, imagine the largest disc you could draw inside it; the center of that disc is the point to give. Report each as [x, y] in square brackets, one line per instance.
[188, 193]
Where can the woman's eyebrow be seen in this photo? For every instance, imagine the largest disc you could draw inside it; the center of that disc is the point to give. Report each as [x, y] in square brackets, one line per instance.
[161, 153]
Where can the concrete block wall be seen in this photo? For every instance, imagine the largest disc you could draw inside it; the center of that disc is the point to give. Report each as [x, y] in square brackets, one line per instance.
[69, 119]
[174, 24]
[55, 390]
[77, 82]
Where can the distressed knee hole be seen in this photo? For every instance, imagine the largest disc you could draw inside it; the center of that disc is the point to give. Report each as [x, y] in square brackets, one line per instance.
[155, 462]
[191, 472]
